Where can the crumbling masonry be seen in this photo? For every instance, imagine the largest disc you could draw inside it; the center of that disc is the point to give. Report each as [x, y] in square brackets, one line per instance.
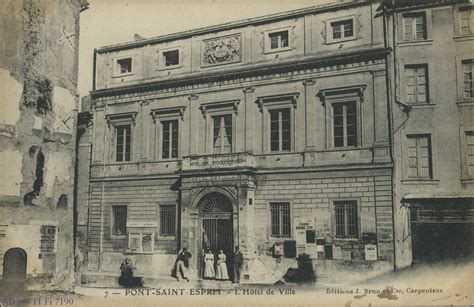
[38, 102]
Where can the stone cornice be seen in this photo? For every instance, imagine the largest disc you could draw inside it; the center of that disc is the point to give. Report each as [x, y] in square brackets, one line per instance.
[300, 66]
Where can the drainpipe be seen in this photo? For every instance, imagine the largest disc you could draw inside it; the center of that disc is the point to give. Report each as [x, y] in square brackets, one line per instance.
[390, 99]
[101, 232]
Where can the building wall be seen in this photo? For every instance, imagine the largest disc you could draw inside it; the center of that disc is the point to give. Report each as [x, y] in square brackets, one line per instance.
[39, 66]
[445, 118]
[311, 75]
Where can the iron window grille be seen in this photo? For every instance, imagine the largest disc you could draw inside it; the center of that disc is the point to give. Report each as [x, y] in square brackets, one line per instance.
[167, 220]
[280, 220]
[119, 225]
[347, 220]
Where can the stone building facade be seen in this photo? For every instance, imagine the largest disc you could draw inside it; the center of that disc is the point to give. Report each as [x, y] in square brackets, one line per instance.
[431, 81]
[38, 73]
[270, 134]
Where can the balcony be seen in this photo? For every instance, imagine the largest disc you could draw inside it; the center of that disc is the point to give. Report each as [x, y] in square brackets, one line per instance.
[218, 161]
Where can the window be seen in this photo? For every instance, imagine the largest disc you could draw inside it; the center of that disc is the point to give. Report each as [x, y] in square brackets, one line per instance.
[280, 220]
[119, 220]
[167, 220]
[347, 220]
[345, 124]
[123, 143]
[171, 58]
[278, 40]
[342, 29]
[465, 20]
[280, 136]
[170, 139]
[222, 133]
[468, 87]
[414, 26]
[470, 153]
[343, 107]
[124, 66]
[419, 157]
[416, 77]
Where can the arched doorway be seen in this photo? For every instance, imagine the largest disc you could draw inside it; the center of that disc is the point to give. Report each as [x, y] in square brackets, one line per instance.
[217, 225]
[14, 264]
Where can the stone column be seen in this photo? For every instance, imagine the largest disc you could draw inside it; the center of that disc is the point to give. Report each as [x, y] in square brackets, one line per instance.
[381, 133]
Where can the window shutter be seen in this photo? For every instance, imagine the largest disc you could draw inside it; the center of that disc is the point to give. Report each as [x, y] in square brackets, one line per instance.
[412, 158]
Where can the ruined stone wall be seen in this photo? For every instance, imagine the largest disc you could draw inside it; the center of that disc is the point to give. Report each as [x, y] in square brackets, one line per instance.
[38, 72]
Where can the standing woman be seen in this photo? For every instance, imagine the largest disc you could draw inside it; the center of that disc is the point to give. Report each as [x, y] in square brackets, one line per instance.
[221, 272]
[209, 265]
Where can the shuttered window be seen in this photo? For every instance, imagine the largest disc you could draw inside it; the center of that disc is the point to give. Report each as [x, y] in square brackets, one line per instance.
[119, 220]
[419, 156]
[167, 220]
[468, 85]
[465, 21]
[169, 139]
[280, 131]
[470, 153]
[222, 134]
[416, 79]
[123, 143]
[347, 219]
[280, 219]
[414, 26]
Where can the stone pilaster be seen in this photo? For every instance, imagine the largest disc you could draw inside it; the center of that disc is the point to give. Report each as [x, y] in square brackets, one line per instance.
[381, 133]
[249, 118]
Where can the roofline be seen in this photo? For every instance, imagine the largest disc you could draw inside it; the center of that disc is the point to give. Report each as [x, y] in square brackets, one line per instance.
[236, 24]
[392, 5]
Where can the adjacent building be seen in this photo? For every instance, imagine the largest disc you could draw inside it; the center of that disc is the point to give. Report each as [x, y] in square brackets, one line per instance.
[270, 134]
[431, 69]
[38, 102]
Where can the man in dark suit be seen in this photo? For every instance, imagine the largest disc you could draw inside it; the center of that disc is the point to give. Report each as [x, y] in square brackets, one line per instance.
[238, 261]
[182, 264]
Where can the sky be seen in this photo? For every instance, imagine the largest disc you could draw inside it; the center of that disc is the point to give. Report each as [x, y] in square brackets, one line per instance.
[108, 22]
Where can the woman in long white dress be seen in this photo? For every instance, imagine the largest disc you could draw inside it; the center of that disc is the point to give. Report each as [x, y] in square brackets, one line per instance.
[209, 265]
[221, 272]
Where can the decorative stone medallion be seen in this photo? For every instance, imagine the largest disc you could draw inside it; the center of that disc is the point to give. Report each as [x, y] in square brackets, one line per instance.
[222, 50]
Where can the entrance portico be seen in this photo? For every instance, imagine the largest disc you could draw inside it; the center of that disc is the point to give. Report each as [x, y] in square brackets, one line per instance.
[217, 213]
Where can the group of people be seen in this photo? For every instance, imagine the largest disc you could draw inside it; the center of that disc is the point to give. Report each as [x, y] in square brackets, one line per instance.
[213, 268]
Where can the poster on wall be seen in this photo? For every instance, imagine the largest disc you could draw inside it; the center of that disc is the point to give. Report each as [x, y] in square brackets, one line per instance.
[48, 239]
[302, 226]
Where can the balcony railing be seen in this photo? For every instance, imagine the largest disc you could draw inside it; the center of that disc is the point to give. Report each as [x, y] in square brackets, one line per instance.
[218, 161]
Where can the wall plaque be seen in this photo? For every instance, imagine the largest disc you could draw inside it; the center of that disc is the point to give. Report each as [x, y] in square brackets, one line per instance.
[222, 50]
